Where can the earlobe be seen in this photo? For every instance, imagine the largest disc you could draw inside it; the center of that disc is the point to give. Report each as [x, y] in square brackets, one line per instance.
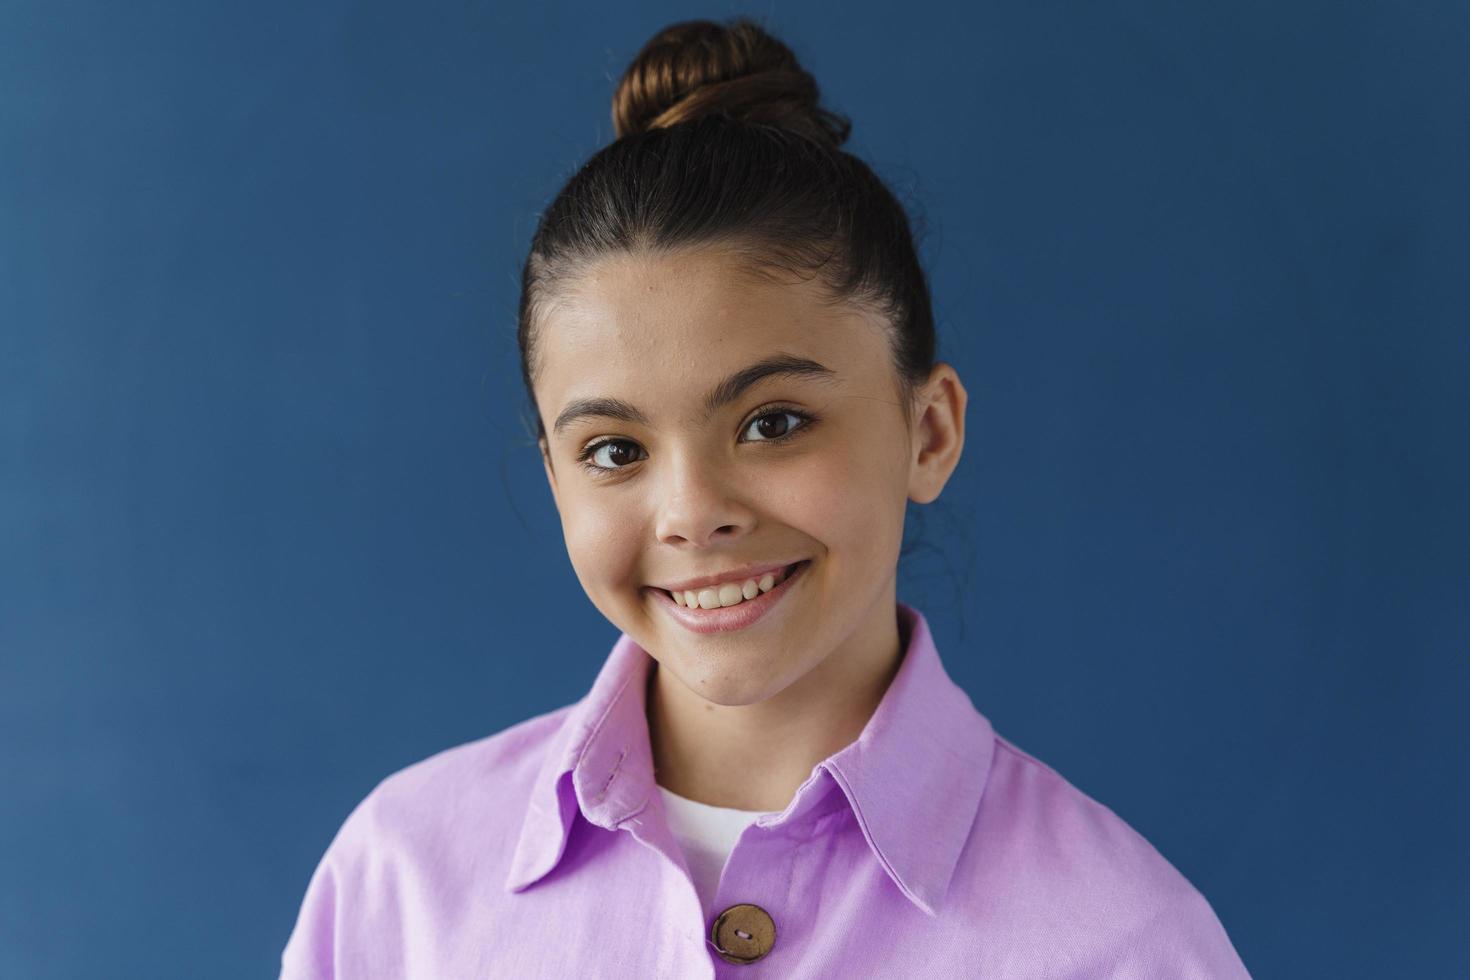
[940, 438]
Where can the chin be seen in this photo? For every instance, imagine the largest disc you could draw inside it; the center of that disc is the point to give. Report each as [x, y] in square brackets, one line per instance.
[735, 687]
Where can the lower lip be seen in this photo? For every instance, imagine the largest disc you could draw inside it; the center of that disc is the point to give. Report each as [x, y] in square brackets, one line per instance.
[728, 618]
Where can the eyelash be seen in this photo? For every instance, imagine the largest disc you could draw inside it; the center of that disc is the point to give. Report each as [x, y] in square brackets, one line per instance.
[807, 421]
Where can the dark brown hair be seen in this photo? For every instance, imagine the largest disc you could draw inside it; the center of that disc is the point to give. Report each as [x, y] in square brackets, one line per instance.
[720, 140]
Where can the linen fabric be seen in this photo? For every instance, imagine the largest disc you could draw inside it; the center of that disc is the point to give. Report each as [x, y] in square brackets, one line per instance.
[929, 846]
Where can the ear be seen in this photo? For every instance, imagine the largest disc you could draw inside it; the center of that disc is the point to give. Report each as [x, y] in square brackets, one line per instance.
[939, 433]
[550, 471]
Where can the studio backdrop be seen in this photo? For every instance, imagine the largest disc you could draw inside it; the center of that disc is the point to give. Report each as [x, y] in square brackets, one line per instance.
[272, 526]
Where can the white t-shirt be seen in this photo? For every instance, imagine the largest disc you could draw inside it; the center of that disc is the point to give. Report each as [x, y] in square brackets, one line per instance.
[707, 834]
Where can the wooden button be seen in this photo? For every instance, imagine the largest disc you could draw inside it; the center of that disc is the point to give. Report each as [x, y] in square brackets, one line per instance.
[743, 933]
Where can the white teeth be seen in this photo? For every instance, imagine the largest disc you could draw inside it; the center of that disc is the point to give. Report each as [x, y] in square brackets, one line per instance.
[728, 593]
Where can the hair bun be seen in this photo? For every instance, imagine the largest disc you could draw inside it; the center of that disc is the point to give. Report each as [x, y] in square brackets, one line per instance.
[697, 68]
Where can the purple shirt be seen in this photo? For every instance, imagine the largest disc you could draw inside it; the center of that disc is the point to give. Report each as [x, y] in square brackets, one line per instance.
[928, 847]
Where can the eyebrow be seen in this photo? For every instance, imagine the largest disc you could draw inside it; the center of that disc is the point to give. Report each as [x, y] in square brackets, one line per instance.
[722, 394]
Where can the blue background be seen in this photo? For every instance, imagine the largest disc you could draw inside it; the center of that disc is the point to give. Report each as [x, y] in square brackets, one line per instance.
[271, 527]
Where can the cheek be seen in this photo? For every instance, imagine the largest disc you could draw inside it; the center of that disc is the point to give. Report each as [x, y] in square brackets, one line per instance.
[849, 501]
[600, 537]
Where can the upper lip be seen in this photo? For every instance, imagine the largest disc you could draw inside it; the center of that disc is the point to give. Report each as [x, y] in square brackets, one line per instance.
[733, 575]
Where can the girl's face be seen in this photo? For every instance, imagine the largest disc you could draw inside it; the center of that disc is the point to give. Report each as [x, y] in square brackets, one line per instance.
[667, 463]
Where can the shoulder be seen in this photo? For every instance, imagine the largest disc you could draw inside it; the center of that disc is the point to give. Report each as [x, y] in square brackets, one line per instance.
[1062, 838]
[1066, 865]
[1035, 803]
[424, 836]
[464, 792]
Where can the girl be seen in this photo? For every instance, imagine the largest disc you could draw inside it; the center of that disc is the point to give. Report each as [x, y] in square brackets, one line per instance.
[727, 342]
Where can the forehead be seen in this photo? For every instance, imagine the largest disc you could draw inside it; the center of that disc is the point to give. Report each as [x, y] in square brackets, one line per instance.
[671, 322]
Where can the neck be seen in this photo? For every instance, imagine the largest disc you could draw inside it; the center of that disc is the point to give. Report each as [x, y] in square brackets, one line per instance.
[755, 756]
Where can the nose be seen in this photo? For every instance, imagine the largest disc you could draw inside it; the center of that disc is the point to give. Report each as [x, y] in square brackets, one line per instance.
[698, 504]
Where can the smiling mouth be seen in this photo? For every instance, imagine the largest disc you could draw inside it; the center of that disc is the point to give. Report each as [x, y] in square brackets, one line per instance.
[786, 573]
[739, 616]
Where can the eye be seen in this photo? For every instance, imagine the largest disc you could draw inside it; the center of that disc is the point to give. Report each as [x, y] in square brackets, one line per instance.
[617, 456]
[620, 454]
[780, 429]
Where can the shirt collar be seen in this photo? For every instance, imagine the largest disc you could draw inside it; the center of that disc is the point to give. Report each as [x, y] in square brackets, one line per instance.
[913, 777]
